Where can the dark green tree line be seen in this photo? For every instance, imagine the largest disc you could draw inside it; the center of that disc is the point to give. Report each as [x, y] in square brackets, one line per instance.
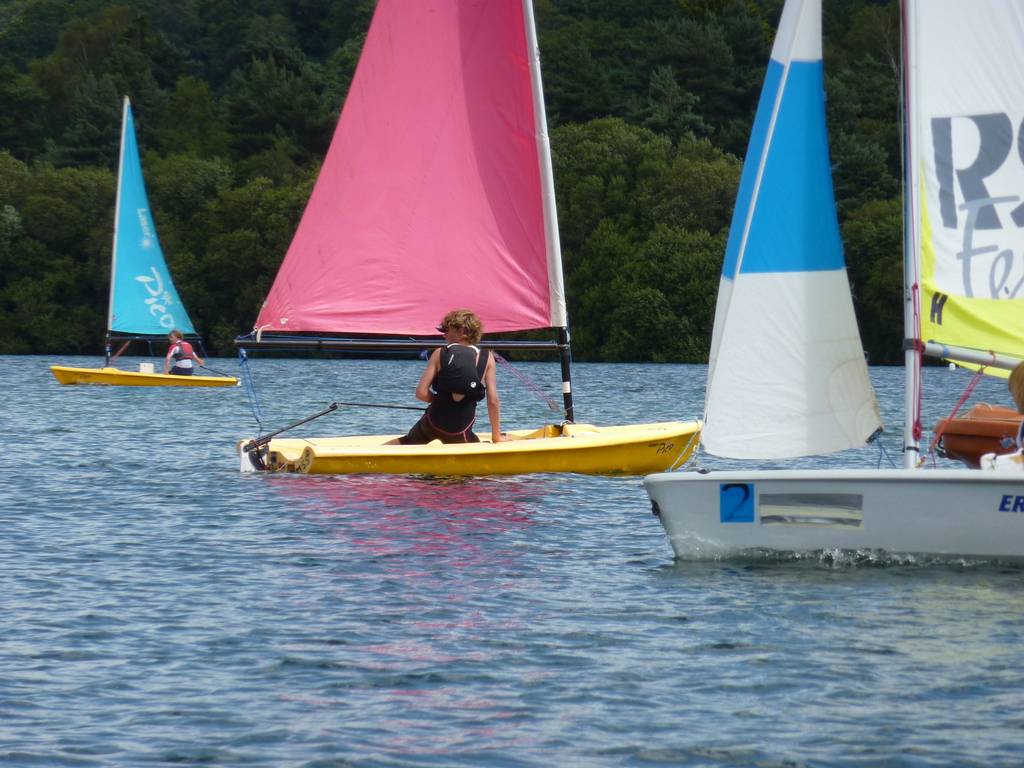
[650, 105]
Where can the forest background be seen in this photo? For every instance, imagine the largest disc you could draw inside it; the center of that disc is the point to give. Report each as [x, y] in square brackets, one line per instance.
[650, 105]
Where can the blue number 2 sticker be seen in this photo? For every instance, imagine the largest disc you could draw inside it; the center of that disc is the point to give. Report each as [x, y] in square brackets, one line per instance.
[736, 502]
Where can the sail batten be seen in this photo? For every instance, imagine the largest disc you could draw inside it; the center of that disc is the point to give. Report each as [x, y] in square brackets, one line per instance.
[433, 194]
[784, 321]
[143, 299]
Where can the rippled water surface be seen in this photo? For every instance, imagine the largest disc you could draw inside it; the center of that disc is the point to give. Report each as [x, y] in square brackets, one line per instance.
[159, 607]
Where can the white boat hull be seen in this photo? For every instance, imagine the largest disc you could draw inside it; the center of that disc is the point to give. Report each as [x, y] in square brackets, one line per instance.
[954, 513]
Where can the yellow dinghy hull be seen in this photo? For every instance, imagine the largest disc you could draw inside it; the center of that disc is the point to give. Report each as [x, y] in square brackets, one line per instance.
[634, 449]
[117, 377]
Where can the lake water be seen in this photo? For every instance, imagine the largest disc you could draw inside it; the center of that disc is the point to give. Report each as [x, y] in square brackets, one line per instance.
[159, 607]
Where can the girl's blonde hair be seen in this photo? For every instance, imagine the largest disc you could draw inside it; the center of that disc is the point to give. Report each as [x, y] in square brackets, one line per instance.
[1016, 385]
[466, 322]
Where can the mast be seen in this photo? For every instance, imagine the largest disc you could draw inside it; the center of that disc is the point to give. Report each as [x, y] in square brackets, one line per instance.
[559, 316]
[911, 284]
[117, 217]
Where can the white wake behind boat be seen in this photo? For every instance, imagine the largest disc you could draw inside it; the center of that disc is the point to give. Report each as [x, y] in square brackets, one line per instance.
[787, 375]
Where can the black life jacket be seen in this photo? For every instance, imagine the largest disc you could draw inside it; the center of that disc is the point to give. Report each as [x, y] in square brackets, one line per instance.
[462, 372]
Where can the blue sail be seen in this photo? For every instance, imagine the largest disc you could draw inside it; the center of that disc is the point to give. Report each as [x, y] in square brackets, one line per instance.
[791, 189]
[786, 375]
[143, 299]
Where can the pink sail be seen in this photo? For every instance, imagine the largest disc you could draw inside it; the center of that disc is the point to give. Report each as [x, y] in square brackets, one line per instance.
[431, 196]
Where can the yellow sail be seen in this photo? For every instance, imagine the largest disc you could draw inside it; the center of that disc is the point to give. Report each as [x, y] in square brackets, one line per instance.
[965, 105]
[958, 321]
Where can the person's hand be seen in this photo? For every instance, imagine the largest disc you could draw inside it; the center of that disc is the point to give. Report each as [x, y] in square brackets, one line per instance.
[499, 438]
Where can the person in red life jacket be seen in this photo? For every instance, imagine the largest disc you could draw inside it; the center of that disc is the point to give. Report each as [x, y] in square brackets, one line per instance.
[457, 377]
[181, 359]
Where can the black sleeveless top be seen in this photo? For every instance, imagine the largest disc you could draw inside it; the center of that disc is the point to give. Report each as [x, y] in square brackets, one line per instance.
[451, 416]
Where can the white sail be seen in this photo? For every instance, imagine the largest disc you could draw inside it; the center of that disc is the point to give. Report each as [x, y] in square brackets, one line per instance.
[964, 67]
[787, 375]
[965, 98]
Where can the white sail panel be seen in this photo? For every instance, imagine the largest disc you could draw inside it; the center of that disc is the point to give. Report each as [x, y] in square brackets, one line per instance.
[798, 37]
[797, 383]
[782, 381]
[966, 113]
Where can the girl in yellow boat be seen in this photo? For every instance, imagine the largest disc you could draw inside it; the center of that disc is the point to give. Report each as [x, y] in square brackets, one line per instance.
[181, 355]
[457, 376]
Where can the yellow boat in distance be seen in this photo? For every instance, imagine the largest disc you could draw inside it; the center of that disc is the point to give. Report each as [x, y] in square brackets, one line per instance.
[119, 377]
[144, 304]
[633, 449]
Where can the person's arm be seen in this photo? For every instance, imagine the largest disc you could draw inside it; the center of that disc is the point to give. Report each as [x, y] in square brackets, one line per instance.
[493, 401]
[167, 359]
[190, 353]
[429, 374]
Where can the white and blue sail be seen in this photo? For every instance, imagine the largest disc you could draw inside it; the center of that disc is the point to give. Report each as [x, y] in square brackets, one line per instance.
[143, 299]
[787, 374]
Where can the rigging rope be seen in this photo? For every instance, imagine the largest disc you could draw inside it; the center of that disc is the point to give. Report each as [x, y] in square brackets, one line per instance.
[876, 437]
[122, 349]
[215, 372]
[250, 387]
[883, 454]
[382, 405]
[552, 405]
[963, 398]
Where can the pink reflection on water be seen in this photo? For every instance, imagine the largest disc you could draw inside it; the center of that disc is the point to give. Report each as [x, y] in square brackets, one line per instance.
[450, 538]
[392, 514]
[440, 566]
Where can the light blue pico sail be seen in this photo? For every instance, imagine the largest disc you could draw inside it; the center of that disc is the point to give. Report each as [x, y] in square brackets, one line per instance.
[784, 322]
[143, 299]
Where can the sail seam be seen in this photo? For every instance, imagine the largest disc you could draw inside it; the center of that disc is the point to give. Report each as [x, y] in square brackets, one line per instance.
[756, 190]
